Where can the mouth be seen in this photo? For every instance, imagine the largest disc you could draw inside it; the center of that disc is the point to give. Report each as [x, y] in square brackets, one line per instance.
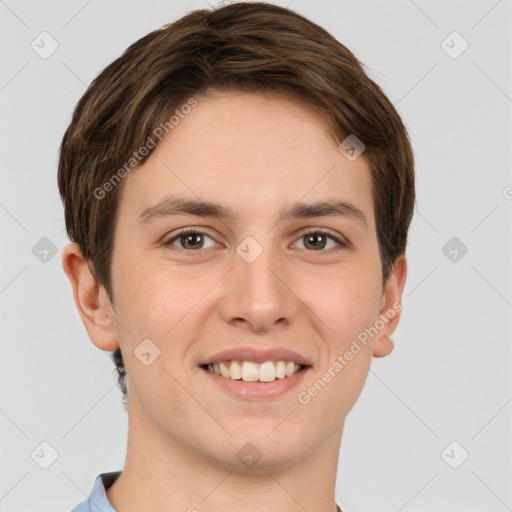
[251, 371]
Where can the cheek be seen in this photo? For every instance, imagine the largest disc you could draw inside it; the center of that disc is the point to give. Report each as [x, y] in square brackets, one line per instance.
[170, 307]
[347, 303]
[160, 307]
[346, 309]
[154, 297]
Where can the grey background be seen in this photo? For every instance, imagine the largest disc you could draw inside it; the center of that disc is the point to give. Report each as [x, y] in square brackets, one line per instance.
[449, 376]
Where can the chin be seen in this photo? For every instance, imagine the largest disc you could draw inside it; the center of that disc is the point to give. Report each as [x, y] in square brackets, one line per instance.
[261, 448]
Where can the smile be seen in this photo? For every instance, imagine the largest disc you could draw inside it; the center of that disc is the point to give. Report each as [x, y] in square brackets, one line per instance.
[250, 371]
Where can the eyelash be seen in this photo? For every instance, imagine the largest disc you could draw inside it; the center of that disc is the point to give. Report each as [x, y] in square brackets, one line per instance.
[187, 231]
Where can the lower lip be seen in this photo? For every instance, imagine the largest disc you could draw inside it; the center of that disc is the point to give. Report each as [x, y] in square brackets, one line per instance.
[258, 390]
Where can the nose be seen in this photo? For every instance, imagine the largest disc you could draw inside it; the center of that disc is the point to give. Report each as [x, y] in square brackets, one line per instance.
[258, 293]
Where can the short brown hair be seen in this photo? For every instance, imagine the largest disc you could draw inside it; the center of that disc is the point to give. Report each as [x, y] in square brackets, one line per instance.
[245, 46]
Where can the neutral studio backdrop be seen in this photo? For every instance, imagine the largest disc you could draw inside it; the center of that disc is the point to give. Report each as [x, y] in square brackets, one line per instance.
[431, 430]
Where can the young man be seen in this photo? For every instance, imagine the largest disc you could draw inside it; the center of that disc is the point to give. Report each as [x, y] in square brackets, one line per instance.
[238, 194]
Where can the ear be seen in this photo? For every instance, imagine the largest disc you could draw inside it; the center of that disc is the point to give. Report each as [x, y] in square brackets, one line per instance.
[91, 299]
[391, 307]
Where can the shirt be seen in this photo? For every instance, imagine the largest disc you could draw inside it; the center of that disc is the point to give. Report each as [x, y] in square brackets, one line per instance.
[98, 501]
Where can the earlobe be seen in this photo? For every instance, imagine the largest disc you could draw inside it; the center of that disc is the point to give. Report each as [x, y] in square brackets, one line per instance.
[383, 346]
[390, 309]
[90, 299]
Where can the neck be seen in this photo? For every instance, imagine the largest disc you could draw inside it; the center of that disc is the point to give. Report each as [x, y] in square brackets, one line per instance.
[163, 473]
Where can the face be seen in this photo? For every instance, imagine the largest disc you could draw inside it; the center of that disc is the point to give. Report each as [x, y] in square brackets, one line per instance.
[262, 282]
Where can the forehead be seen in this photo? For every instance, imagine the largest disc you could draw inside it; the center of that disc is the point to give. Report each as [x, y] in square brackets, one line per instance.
[248, 151]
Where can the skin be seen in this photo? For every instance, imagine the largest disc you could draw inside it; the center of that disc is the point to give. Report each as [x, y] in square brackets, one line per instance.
[255, 154]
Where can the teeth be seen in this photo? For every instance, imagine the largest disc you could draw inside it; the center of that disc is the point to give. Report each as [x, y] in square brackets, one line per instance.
[290, 368]
[235, 371]
[267, 371]
[224, 370]
[249, 371]
[280, 370]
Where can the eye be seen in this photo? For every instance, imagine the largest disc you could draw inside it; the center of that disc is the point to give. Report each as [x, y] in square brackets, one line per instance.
[317, 239]
[191, 239]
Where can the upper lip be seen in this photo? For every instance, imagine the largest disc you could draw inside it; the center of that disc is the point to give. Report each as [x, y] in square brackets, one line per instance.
[256, 355]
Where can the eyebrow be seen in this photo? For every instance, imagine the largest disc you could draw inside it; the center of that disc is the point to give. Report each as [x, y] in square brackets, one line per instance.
[170, 206]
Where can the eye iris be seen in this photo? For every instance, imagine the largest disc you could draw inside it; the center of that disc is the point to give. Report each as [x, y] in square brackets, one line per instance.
[194, 240]
[191, 236]
[312, 236]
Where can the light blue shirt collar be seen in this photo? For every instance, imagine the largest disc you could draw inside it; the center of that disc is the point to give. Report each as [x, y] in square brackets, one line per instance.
[98, 501]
